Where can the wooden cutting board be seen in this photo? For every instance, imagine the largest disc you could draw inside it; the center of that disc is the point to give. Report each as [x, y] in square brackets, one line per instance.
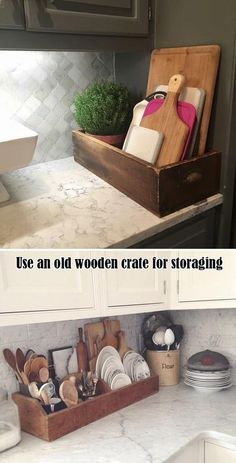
[199, 64]
[167, 121]
[186, 112]
[93, 330]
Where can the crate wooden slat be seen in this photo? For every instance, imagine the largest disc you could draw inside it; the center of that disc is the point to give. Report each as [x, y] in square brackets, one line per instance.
[34, 419]
[161, 191]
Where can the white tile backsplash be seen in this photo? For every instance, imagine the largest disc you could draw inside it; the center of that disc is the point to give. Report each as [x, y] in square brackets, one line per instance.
[208, 329]
[44, 336]
[37, 89]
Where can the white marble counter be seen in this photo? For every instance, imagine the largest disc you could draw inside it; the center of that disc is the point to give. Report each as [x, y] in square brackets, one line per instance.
[59, 204]
[148, 431]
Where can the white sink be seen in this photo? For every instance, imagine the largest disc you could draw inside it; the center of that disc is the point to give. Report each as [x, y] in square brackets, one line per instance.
[207, 447]
[17, 146]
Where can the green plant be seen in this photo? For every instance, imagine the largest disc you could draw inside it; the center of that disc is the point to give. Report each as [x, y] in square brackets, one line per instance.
[104, 108]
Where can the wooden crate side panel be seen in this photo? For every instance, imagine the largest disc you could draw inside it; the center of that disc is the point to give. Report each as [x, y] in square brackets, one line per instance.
[69, 420]
[50, 427]
[33, 418]
[188, 182]
[135, 178]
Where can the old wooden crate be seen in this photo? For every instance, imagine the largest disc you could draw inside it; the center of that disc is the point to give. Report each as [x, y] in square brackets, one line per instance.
[35, 420]
[178, 185]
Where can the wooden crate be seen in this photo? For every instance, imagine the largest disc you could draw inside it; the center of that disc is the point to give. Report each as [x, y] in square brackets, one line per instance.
[35, 420]
[161, 191]
[178, 185]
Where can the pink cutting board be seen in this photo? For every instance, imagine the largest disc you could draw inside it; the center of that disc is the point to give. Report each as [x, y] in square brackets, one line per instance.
[186, 112]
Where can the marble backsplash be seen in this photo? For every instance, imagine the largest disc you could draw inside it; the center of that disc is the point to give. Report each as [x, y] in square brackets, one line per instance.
[208, 329]
[37, 89]
[44, 336]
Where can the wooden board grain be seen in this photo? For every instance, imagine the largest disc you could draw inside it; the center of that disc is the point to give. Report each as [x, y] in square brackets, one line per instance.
[199, 65]
[93, 330]
[35, 421]
[167, 122]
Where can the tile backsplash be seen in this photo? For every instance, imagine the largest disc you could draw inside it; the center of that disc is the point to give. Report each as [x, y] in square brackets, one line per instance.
[44, 336]
[37, 89]
[208, 329]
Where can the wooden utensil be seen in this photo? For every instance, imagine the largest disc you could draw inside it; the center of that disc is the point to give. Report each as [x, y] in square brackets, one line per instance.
[196, 97]
[20, 359]
[11, 360]
[27, 366]
[92, 330]
[123, 348]
[109, 338]
[167, 122]
[37, 363]
[43, 374]
[199, 64]
[68, 393]
[186, 112]
[82, 355]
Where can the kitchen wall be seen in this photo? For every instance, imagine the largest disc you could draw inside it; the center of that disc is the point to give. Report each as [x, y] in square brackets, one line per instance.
[37, 89]
[207, 329]
[44, 336]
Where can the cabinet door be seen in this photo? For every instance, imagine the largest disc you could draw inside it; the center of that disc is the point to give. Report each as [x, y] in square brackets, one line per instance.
[12, 14]
[134, 290]
[209, 287]
[28, 290]
[106, 17]
[216, 454]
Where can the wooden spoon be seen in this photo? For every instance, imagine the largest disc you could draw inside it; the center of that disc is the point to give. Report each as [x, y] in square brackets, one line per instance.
[68, 393]
[11, 360]
[20, 359]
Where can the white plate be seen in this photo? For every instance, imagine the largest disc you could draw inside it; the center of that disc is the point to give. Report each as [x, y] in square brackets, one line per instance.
[105, 353]
[209, 389]
[113, 362]
[120, 380]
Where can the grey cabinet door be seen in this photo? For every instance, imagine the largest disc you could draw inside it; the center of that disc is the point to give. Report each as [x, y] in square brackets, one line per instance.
[100, 17]
[12, 14]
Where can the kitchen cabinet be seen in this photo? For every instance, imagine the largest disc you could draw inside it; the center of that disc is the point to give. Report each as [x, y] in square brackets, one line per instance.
[134, 290]
[215, 453]
[36, 294]
[107, 17]
[205, 288]
[11, 14]
[29, 295]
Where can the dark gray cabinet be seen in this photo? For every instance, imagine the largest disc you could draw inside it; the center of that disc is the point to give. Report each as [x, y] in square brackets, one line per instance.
[101, 17]
[12, 14]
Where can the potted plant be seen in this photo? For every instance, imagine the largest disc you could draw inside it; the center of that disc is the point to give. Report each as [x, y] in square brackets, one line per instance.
[104, 110]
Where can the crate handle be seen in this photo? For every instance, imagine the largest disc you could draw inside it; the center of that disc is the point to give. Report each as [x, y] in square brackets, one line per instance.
[194, 177]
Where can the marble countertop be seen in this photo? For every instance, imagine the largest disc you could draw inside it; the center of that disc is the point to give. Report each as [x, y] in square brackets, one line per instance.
[60, 204]
[149, 431]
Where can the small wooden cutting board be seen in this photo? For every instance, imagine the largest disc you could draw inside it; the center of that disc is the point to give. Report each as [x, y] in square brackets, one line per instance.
[167, 122]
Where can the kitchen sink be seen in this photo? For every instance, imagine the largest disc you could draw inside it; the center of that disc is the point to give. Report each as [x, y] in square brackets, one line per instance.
[207, 447]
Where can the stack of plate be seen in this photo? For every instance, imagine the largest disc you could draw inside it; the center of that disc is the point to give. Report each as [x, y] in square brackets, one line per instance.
[135, 366]
[208, 371]
[109, 367]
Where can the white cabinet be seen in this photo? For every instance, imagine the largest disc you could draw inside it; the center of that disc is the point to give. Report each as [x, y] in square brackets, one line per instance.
[215, 453]
[137, 289]
[37, 294]
[208, 288]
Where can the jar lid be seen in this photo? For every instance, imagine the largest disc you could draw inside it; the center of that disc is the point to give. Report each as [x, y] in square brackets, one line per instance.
[208, 360]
